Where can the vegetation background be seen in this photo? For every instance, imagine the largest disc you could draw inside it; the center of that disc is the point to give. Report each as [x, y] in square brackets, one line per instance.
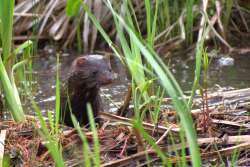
[139, 34]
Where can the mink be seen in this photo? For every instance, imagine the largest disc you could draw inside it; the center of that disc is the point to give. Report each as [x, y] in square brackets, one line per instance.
[86, 75]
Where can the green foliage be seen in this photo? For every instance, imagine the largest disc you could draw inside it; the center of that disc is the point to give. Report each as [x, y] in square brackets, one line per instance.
[161, 70]
[87, 154]
[151, 25]
[226, 18]
[23, 46]
[72, 7]
[58, 85]
[134, 47]
[198, 62]
[51, 134]
[166, 78]
[11, 95]
[157, 102]
[97, 159]
[6, 161]
[8, 85]
[164, 15]
[6, 17]
[189, 24]
[86, 149]
[51, 144]
[131, 52]
[137, 124]
[25, 49]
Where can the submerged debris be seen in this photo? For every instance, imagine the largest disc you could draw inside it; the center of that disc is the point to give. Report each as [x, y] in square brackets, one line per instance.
[226, 61]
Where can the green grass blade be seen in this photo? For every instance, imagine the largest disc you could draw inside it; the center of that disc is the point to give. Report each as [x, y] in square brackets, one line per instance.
[12, 78]
[51, 144]
[198, 60]
[51, 122]
[23, 46]
[226, 18]
[149, 139]
[73, 7]
[6, 17]
[86, 149]
[97, 160]
[154, 25]
[189, 24]
[11, 95]
[151, 25]
[132, 52]
[58, 101]
[148, 18]
[26, 50]
[10, 91]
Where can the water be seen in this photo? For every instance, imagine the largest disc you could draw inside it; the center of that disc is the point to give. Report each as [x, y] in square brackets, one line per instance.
[235, 75]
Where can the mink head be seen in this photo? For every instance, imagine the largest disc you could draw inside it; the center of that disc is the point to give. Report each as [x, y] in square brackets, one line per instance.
[92, 69]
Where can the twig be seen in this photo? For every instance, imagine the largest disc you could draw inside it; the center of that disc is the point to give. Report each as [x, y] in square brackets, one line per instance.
[2, 142]
[225, 151]
[230, 123]
[27, 14]
[125, 145]
[164, 135]
[127, 121]
[127, 160]
[139, 139]
[25, 37]
[125, 105]
[227, 140]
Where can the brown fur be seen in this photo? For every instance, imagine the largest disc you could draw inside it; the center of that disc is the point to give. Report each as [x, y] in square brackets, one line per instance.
[86, 75]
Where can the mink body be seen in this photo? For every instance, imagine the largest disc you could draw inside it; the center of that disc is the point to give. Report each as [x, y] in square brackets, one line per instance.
[87, 74]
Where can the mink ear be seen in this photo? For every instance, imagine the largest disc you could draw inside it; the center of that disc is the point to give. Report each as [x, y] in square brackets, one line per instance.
[81, 61]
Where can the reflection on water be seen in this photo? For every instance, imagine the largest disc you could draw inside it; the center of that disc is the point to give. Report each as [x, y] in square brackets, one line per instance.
[236, 76]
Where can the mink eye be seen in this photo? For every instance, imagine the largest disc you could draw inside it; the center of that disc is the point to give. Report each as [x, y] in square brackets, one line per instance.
[94, 72]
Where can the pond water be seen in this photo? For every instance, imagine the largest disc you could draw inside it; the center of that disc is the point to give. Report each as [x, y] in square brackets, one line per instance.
[234, 75]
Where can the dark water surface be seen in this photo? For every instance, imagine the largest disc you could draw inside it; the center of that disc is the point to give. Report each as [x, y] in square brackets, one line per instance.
[236, 76]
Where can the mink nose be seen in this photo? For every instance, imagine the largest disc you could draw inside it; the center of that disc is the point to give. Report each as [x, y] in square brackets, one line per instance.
[111, 77]
[106, 77]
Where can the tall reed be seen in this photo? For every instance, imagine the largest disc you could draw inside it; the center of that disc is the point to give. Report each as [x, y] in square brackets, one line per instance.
[189, 24]
[9, 87]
